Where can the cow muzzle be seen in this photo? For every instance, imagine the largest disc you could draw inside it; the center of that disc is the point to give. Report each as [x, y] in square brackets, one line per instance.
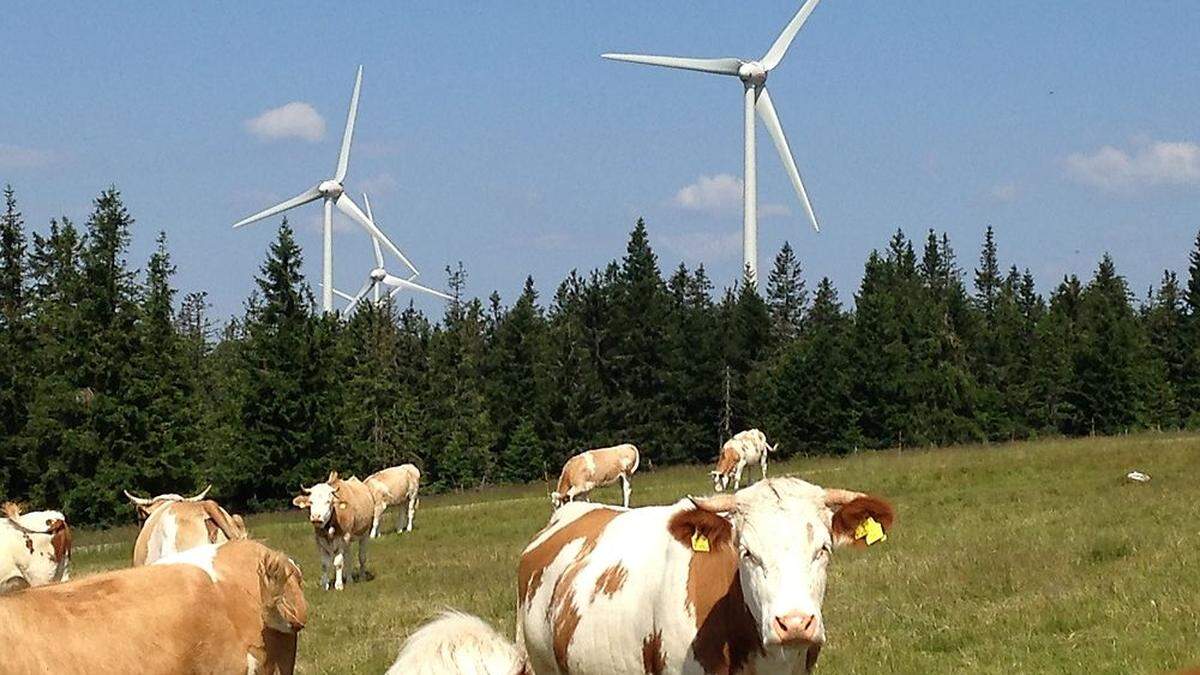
[797, 629]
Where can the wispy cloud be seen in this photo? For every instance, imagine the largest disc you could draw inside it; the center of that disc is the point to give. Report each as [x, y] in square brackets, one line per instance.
[720, 195]
[293, 120]
[1004, 192]
[379, 184]
[1150, 163]
[17, 157]
[705, 246]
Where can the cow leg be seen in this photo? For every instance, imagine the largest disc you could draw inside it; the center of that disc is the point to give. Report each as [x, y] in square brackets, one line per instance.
[764, 465]
[379, 508]
[626, 490]
[362, 560]
[412, 510]
[339, 562]
[737, 476]
[325, 569]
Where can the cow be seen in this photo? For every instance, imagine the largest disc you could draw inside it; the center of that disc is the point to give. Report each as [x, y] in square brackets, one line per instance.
[171, 524]
[35, 548]
[458, 643]
[393, 486]
[341, 512]
[232, 608]
[596, 468]
[744, 449]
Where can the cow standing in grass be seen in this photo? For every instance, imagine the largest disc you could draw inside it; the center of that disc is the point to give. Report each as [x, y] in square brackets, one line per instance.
[594, 469]
[744, 449]
[234, 608]
[172, 524]
[728, 584]
[341, 512]
[397, 485]
[35, 548]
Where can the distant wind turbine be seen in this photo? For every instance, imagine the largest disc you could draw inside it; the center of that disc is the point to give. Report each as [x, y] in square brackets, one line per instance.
[334, 194]
[380, 277]
[753, 75]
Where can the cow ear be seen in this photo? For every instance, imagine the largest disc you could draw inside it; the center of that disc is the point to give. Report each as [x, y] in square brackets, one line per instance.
[301, 501]
[854, 510]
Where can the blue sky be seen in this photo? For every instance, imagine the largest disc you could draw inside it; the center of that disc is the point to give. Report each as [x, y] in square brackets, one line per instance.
[493, 133]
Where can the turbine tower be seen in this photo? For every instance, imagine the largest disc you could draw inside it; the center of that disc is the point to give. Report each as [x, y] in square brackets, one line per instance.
[753, 75]
[334, 194]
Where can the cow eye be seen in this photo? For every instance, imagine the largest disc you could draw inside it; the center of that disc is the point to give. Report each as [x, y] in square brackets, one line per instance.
[824, 552]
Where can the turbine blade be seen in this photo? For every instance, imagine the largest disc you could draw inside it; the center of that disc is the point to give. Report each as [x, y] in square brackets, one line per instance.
[347, 206]
[779, 49]
[400, 284]
[344, 296]
[362, 292]
[348, 135]
[766, 110]
[374, 241]
[715, 66]
[310, 195]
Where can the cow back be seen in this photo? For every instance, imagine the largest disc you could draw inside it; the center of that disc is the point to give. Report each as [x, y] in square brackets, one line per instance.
[395, 484]
[179, 526]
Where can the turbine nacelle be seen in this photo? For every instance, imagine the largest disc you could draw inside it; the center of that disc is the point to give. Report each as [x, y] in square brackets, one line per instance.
[378, 275]
[331, 189]
[753, 74]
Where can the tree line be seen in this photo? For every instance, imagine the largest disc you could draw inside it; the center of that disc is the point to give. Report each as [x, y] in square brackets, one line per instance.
[110, 380]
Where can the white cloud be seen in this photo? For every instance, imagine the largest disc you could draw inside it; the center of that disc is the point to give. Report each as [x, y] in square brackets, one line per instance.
[1151, 163]
[379, 184]
[720, 195]
[16, 157]
[1004, 192]
[705, 246]
[293, 120]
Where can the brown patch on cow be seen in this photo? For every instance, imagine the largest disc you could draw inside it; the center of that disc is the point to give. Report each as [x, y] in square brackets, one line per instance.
[28, 542]
[685, 524]
[810, 657]
[60, 540]
[851, 515]
[727, 462]
[564, 614]
[610, 581]
[727, 635]
[653, 661]
[534, 562]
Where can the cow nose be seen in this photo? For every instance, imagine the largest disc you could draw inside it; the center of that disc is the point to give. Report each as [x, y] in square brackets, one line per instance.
[797, 627]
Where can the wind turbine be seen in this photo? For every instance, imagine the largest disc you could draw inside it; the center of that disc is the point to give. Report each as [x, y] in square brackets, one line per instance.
[380, 277]
[334, 194]
[753, 75]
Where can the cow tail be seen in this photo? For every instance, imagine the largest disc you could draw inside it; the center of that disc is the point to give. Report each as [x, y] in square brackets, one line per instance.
[218, 517]
[455, 642]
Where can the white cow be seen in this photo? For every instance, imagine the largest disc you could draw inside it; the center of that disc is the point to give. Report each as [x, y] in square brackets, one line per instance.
[728, 584]
[397, 485]
[596, 468]
[747, 448]
[458, 643]
[341, 512]
[35, 548]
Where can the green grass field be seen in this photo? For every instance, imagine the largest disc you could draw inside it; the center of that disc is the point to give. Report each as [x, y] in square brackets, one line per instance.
[1029, 558]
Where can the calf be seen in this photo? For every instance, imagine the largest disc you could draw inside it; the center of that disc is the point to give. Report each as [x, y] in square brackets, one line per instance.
[596, 468]
[393, 486]
[35, 548]
[341, 512]
[744, 449]
[172, 524]
[234, 608]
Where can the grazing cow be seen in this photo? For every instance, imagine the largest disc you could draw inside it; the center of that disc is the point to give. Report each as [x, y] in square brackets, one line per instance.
[596, 468]
[234, 608]
[35, 548]
[393, 486]
[341, 512]
[458, 643]
[744, 449]
[172, 524]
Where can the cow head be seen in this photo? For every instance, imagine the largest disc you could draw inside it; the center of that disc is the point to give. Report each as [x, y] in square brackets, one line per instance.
[557, 499]
[147, 505]
[784, 531]
[282, 590]
[720, 480]
[321, 500]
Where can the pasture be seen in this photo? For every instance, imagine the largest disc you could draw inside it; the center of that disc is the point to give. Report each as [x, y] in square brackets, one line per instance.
[1028, 557]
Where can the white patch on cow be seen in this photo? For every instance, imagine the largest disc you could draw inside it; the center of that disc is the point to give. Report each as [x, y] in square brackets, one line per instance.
[200, 556]
[251, 665]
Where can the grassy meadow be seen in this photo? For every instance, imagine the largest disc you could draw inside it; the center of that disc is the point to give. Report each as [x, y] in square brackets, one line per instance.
[1029, 557]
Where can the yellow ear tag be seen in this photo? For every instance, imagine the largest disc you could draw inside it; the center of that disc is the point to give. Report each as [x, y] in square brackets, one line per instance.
[700, 542]
[871, 530]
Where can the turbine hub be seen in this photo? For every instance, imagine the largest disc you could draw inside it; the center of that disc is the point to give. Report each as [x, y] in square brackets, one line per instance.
[378, 274]
[753, 73]
[331, 189]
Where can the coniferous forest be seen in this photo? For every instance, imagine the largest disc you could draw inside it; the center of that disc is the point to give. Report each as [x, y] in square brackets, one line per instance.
[110, 379]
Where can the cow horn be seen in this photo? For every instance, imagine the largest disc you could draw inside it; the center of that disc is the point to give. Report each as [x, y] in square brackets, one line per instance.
[138, 501]
[200, 497]
[775, 448]
[306, 490]
[333, 476]
[716, 503]
[835, 497]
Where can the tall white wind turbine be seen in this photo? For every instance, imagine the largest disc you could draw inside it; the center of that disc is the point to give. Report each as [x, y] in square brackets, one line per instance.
[334, 194]
[753, 75]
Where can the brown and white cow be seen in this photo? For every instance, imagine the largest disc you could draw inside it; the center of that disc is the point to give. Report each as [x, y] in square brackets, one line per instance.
[389, 487]
[341, 512]
[592, 469]
[35, 548]
[728, 584]
[234, 608]
[172, 524]
[746, 448]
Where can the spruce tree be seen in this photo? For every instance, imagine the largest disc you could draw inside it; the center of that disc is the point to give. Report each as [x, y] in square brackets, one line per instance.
[786, 297]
